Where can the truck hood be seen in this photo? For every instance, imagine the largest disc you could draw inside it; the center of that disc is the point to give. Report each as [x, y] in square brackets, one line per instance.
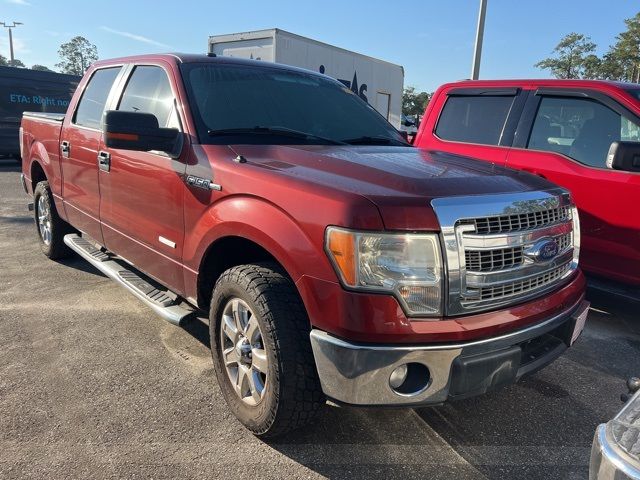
[400, 181]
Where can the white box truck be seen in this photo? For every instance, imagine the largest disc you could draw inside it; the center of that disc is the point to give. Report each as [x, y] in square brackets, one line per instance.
[378, 82]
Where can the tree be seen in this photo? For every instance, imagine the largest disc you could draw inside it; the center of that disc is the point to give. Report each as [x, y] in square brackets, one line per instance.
[77, 55]
[610, 67]
[16, 63]
[571, 54]
[414, 103]
[3, 61]
[41, 68]
[625, 54]
[593, 66]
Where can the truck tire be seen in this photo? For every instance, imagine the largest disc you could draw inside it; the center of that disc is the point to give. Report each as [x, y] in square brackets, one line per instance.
[51, 228]
[261, 350]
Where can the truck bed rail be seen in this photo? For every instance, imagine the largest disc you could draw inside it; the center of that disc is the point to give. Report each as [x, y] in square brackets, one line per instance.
[52, 117]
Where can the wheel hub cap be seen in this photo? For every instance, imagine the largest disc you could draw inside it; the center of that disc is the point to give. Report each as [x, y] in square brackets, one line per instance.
[243, 353]
[243, 350]
[43, 215]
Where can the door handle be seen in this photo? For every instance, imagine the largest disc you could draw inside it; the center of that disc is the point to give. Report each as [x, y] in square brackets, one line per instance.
[65, 147]
[104, 160]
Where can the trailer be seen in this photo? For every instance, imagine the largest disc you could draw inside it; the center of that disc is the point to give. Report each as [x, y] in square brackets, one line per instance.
[22, 89]
[377, 82]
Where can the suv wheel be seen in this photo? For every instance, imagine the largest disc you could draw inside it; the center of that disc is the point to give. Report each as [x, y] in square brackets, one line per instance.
[261, 350]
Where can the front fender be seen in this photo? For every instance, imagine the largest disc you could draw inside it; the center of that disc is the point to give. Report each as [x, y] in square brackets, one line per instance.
[263, 223]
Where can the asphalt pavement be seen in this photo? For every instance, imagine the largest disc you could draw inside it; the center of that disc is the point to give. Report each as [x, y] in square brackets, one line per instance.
[94, 385]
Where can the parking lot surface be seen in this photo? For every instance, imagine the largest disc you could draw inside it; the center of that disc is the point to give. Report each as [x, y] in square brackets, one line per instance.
[94, 385]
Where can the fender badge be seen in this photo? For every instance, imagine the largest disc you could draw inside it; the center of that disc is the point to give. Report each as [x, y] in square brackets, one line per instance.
[202, 183]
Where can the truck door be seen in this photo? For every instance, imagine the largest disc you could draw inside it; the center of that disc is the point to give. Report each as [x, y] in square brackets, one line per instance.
[141, 205]
[565, 136]
[79, 145]
[477, 122]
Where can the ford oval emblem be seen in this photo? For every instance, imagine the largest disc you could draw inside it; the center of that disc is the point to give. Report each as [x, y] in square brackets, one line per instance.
[547, 250]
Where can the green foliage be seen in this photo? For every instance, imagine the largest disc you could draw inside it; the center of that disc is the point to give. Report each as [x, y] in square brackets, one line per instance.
[5, 62]
[571, 57]
[77, 55]
[575, 57]
[41, 68]
[414, 103]
[625, 54]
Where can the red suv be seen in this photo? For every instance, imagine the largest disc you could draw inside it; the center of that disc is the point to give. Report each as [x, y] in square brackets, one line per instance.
[580, 134]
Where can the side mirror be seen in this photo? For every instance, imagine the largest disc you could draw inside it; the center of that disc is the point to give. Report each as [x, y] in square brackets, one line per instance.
[138, 131]
[404, 134]
[624, 156]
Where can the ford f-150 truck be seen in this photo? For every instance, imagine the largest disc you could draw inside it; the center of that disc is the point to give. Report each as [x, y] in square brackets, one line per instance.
[335, 260]
[583, 135]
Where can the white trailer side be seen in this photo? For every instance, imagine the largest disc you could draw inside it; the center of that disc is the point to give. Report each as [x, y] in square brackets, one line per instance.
[378, 82]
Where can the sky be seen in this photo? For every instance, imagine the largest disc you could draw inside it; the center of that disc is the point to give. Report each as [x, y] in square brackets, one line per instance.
[432, 39]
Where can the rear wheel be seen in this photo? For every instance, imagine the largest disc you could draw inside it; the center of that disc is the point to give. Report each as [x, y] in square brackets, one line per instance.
[261, 350]
[51, 228]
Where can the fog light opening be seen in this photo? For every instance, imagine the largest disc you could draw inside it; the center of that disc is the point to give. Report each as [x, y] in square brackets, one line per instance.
[410, 379]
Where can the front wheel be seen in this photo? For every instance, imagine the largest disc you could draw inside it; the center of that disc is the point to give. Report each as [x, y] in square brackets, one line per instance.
[51, 228]
[261, 350]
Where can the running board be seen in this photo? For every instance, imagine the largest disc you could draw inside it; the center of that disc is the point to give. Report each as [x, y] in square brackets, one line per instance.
[164, 303]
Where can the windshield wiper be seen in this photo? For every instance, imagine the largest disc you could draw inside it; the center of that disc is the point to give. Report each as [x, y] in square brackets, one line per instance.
[282, 131]
[368, 140]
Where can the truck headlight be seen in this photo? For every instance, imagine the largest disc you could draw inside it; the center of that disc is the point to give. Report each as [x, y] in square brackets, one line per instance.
[408, 266]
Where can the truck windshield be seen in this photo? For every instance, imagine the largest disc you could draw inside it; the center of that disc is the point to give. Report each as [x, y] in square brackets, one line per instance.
[238, 104]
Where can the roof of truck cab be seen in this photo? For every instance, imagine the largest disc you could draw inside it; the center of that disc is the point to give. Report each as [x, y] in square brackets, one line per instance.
[545, 82]
[178, 58]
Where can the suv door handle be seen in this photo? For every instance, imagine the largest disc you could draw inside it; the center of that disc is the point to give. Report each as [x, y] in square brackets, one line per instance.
[104, 160]
[65, 147]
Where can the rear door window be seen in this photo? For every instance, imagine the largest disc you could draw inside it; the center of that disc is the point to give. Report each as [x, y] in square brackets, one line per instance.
[474, 119]
[91, 107]
[580, 128]
[149, 91]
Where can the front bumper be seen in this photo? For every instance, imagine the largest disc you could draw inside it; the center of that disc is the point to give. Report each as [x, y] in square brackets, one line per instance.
[359, 374]
[614, 455]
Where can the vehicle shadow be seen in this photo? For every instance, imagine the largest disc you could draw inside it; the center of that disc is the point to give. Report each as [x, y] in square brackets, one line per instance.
[78, 263]
[360, 443]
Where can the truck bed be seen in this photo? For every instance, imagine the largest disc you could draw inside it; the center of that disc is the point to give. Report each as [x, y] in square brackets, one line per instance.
[52, 117]
[41, 139]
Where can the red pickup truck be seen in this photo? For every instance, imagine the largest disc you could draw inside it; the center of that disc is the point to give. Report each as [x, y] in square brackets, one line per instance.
[580, 134]
[334, 259]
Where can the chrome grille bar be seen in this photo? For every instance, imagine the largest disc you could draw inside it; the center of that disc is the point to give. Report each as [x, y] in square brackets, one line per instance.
[492, 247]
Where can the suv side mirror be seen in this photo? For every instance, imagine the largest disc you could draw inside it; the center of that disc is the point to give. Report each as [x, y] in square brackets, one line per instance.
[624, 156]
[138, 131]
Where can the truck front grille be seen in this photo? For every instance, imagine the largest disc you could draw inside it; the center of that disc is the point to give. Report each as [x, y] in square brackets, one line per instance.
[518, 287]
[502, 258]
[490, 260]
[520, 221]
[494, 250]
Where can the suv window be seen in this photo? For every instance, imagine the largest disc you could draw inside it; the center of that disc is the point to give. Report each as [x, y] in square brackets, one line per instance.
[91, 106]
[474, 119]
[149, 91]
[580, 128]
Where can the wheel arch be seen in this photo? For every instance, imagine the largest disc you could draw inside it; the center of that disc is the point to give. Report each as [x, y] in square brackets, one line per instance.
[247, 229]
[224, 253]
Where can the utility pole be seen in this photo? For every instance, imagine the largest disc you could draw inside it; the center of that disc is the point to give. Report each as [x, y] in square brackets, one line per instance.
[477, 51]
[10, 27]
